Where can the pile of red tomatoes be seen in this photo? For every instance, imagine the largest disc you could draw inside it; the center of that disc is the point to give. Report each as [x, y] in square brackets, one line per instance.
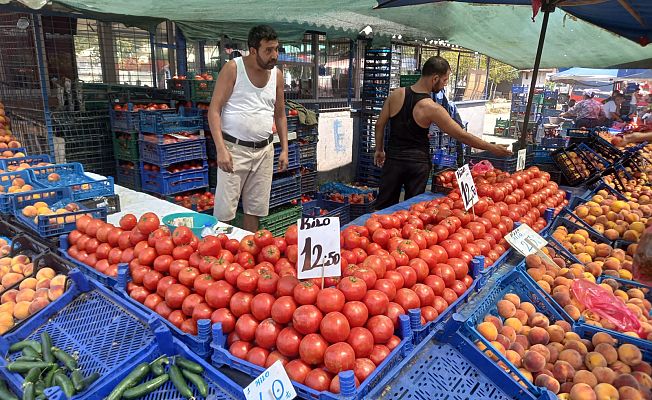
[411, 259]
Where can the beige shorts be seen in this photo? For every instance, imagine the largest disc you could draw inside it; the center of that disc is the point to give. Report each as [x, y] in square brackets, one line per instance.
[250, 180]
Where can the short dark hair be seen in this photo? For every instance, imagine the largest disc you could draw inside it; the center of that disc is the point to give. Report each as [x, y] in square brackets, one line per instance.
[618, 95]
[259, 33]
[435, 66]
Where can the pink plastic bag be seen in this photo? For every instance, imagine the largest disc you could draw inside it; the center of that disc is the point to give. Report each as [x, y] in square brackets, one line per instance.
[602, 302]
[482, 167]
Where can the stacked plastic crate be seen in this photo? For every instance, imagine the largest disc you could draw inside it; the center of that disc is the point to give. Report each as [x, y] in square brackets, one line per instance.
[375, 89]
[307, 137]
[172, 151]
[124, 133]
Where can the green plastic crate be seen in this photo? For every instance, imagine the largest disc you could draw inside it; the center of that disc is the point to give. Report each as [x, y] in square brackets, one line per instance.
[277, 221]
[125, 147]
[201, 90]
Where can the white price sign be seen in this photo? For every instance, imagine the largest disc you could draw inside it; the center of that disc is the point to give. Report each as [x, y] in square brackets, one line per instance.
[467, 186]
[319, 247]
[273, 384]
[525, 240]
[520, 161]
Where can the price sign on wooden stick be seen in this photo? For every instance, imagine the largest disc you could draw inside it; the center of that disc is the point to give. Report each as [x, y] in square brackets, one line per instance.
[467, 186]
[319, 247]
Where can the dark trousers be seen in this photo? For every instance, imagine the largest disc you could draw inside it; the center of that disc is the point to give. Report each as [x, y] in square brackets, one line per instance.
[407, 170]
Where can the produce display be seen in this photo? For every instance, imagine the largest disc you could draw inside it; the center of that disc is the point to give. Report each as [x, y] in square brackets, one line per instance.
[141, 107]
[550, 355]
[199, 201]
[171, 138]
[175, 168]
[43, 365]
[41, 208]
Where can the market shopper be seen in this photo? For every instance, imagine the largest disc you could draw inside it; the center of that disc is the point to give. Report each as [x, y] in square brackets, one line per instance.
[410, 112]
[247, 100]
[587, 112]
[611, 108]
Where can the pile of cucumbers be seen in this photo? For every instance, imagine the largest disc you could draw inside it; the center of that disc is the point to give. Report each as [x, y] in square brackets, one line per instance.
[43, 365]
[5, 393]
[180, 371]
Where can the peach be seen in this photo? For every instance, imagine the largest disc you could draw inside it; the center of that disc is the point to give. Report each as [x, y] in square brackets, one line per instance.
[605, 391]
[572, 312]
[59, 280]
[534, 361]
[563, 371]
[643, 379]
[28, 283]
[11, 279]
[37, 305]
[604, 375]
[45, 273]
[9, 296]
[42, 292]
[538, 336]
[629, 393]
[521, 316]
[7, 307]
[543, 350]
[503, 340]
[513, 298]
[609, 352]
[514, 358]
[25, 295]
[43, 283]
[509, 332]
[522, 340]
[584, 376]
[528, 308]
[565, 390]
[582, 391]
[533, 261]
[562, 297]
[643, 367]
[565, 325]
[488, 330]
[576, 345]
[625, 380]
[55, 292]
[538, 320]
[547, 382]
[506, 308]
[602, 337]
[572, 357]
[593, 360]
[527, 374]
[630, 354]
[620, 367]
[554, 349]
[21, 310]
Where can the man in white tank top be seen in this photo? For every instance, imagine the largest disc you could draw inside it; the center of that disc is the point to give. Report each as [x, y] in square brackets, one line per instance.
[247, 100]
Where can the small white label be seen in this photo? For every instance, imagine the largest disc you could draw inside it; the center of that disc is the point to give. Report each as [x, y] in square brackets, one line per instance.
[272, 384]
[467, 186]
[525, 240]
[188, 222]
[319, 247]
[520, 161]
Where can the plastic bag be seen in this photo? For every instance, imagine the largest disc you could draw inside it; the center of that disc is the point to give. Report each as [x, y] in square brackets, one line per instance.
[602, 302]
[642, 267]
[482, 167]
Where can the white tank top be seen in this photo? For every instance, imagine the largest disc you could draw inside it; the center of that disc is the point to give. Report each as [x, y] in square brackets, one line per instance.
[249, 112]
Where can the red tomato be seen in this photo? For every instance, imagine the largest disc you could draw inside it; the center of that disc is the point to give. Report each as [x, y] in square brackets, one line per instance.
[139, 294]
[152, 300]
[306, 293]
[128, 222]
[245, 327]
[224, 316]
[177, 318]
[409, 275]
[261, 306]
[379, 354]
[330, 299]
[276, 356]
[175, 294]
[376, 264]
[396, 278]
[283, 309]
[182, 252]
[387, 287]
[407, 299]
[240, 303]
[306, 319]
[460, 268]
[163, 309]
[240, 349]
[202, 311]
[436, 283]
[393, 312]
[339, 357]
[420, 267]
[248, 244]
[334, 327]
[362, 341]
[363, 368]
[267, 333]
[356, 313]
[318, 380]
[288, 342]
[182, 236]
[232, 272]
[151, 279]
[177, 266]
[376, 302]
[446, 273]
[219, 294]
[257, 356]
[425, 294]
[209, 246]
[190, 302]
[247, 281]
[297, 370]
[312, 349]
[286, 286]
[353, 288]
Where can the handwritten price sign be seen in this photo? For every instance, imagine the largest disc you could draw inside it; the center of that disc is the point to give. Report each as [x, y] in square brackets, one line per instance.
[273, 384]
[319, 247]
[520, 160]
[525, 240]
[467, 186]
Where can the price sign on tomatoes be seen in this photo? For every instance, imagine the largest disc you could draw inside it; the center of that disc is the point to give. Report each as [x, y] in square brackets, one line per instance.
[319, 247]
[520, 161]
[467, 186]
[272, 384]
[525, 240]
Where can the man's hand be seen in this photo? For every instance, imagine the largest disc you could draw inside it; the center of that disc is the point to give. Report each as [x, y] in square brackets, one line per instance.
[283, 161]
[500, 150]
[224, 160]
[379, 158]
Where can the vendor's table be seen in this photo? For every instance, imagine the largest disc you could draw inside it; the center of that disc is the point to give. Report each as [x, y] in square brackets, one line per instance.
[404, 205]
[138, 203]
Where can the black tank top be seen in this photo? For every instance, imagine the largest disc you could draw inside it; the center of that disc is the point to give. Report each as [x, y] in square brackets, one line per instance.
[405, 133]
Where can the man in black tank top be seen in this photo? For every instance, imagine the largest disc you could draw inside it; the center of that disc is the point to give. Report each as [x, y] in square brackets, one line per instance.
[410, 112]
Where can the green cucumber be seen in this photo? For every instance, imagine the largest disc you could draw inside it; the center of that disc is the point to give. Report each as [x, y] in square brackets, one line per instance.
[76, 377]
[39, 388]
[46, 347]
[145, 388]
[25, 366]
[30, 352]
[89, 380]
[157, 365]
[65, 358]
[18, 346]
[179, 381]
[29, 391]
[196, 380]
[23, 358]
[49, 378]
[135, 376]
[32, 376]
[188, 365]
[61, 380]
[5, 393]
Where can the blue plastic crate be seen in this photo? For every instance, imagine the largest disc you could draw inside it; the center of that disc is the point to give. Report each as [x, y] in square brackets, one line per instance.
[285, 189]
[11, 164]
[92, 273]
[578, 133]
[128, 177]
[199, 344]
[8, 152]
[167, 183]
[585, 330]
[52, 225]
[180, 88]
[221, 357]
[220, 387]
[334, 208]
[467, 335]
[308, 181]
[554, 142]
[308, 152]
[162, 122]
[126, 121]
[442, 158]
[6, 179]
[90, 321]
[293, 123]
[72, 175]
[167, 154]
[626, 284]
[293, 156]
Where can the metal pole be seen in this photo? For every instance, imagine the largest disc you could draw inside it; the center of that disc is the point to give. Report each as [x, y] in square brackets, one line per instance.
[45, 84]
[180, 42]
[537, 60]
[457, 72]
[486, 80]
[152, 49]
[352, 49]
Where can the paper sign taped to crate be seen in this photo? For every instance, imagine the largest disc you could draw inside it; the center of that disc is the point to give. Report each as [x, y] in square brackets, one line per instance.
[467, 186]
[520, 161]
[319, 247]
[272, 384]
[525, 240]
[177, 136]
[188, 222]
